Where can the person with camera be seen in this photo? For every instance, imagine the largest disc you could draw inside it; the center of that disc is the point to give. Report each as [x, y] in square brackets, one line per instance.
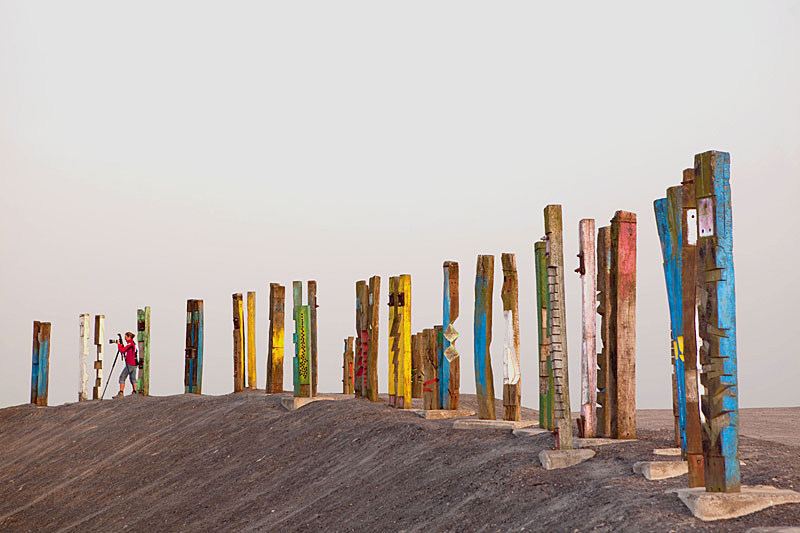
[129, 355]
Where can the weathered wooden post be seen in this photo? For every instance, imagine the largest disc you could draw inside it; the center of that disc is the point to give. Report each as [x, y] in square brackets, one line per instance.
[588, 274]
[556, 325]
[302, 355]
[416, 366]
[403, 318]
[484, 382]
[623, 323]
[193, 373]
[311, 288]
[83, 355]
[717, 321]
[360, 364]
[430, 364]
[373, 332]
[40, 369]
[347, 367]
[450, 364]
[694, 439]
[99, 336]
[297, 302]
[511, 367]
[277, 298]
[670, 235]
[545, 367]
[251, 341]
[394, 332]
[143, 339]
[606, 384]
[238, 343]
[362, 320]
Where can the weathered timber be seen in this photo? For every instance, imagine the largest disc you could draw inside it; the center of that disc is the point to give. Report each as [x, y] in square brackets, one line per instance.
[347, 366]
[99, 337]
[450, 364]
[358, 384]
[557, 326]
[403, 317]
[143, 339]
[588, 274]
[373, 330]
[482, 329]
[512, 409]
[716, 313]
[606, 381]
[302, 355]
[238, 343]
[545, 368]
[416, 366]
[363, 345]
[251, 341]
[394, 331]
[311, 287]
[297, 301]
[430, 390]
[193, 372]
[40, 369]
[277, 300]
[694, 439]
[623, 323]
[83, 356]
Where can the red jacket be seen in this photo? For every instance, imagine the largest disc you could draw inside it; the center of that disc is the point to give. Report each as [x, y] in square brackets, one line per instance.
[128, 352]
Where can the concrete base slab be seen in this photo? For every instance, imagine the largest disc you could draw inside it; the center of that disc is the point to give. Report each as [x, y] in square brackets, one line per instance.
[709, 506]
[293, 402]
[672, 452]
[476, 423]
[774, 529]
[655, 470]
[552, 459]
[529, 432]
[596, 441]
[439, 414]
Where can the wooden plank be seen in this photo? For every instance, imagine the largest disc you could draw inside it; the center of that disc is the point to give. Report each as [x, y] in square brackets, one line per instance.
[557, 326]
[694, 439]
[143, 340]
[545, 369]
[189, 358]
[364, 341]
[716, 315]
[251, 341]
[347, 366]
[588, 273]
[83, 357]
[430, 388]
[358, 371]
[450, 363]
[99, 336]
[41, 366]
[606, 381]
[512, 386]
[238, 343]
[416, 366]
[312, 333]
[303, 357]
[277, 299]
[297, 301]
[35, 363]
[197, 317]
[403, 317]
[623, 323]
[394, 329]
[373, 332]
[484, 382]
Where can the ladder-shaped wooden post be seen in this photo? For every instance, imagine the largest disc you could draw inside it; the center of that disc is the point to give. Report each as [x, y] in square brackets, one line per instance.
[545, 367]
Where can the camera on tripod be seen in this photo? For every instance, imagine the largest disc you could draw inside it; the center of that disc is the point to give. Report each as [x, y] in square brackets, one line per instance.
[115, 341]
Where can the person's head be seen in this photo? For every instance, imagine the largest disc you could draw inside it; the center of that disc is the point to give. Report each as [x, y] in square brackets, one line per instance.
[129, 336]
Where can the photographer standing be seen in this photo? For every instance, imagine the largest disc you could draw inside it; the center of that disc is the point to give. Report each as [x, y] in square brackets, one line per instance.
[129, 356]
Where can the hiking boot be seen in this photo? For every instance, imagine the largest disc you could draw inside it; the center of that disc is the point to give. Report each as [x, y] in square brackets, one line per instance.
[120, 394]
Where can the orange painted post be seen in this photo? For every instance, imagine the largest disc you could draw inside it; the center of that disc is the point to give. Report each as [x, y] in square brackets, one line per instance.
[277, 299]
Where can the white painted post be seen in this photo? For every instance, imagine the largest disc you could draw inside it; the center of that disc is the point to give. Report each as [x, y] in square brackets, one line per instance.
[83, 354]
[99, 335]
[588, 272]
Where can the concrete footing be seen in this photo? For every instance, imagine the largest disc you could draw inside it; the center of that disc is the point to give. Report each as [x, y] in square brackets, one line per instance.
[774, 529]
[529, 432]
[552, 459]
[476, 423]
[709, 506]
[439, 414]
[596, 441]
[672, 452]
[655, 470]
[294, 402]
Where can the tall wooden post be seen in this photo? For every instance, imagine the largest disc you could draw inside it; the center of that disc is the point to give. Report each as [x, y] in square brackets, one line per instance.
[394, 333]
[557, 327]
[143, 338]
[83, 356]
[99, 336]
[545, 367]
[193, 373]
[364, 339]
[251, 341]
[358, 370]
[312, 332]
[588, 274]
[430, 365]
[303, 357]
[297, 301]
[373, 331]
[484, 382]
[606, 381]
[416, 366]
[511, 367]
[347, 367]
[623, 323]
[238, 343]
[403, 318]
[670, 235]
[277, 298]
[694, 440]
[717, 321]
[450, 364]
[40, 370]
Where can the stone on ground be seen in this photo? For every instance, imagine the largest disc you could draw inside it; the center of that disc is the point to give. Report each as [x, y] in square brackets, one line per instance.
[655, 470]
[709, 506]
[552, 459]
[476, 423]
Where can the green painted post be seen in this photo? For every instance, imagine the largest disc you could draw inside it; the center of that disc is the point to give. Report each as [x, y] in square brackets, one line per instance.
[143, 338]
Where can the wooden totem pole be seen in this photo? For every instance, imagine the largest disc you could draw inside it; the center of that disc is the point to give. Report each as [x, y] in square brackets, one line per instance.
[373, 334]
[347, 366]
[99, 335]
[511, 367]
[251, 341]
[449, 364]
[545, 367]
[277, 298]
[40, 368]
[238, 343]
[193, 372]
[484, 382]
[588, 274]
[83, 356]
[556, 325]
[143, 338]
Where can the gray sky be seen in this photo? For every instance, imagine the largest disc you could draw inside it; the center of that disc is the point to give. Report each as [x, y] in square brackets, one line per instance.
[152, 152]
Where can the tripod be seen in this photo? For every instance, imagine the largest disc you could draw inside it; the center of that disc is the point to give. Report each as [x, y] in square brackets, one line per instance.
[111, 373]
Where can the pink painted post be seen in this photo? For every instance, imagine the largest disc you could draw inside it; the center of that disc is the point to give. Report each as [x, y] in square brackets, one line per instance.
[588, 274]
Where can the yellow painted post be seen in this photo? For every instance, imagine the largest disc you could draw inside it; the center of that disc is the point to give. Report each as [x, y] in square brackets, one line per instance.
[404, 358]
[277, 298]
[251, 341]
[238, 343]
[393, 333]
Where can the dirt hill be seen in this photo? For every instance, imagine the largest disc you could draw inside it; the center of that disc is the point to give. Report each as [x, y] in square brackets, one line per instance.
[241, 462]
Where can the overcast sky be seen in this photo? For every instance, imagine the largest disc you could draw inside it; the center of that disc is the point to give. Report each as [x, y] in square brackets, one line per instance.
[152, 152]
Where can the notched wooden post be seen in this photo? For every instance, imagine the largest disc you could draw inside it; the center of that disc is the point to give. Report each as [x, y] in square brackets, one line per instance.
[484, 382]
[606, 381]
[588, 275]
[511, 367]
[99, 336]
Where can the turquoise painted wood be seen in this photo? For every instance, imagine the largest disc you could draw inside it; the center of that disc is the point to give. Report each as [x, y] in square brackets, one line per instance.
[444, 364]
[484, 382]
[198, 314]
